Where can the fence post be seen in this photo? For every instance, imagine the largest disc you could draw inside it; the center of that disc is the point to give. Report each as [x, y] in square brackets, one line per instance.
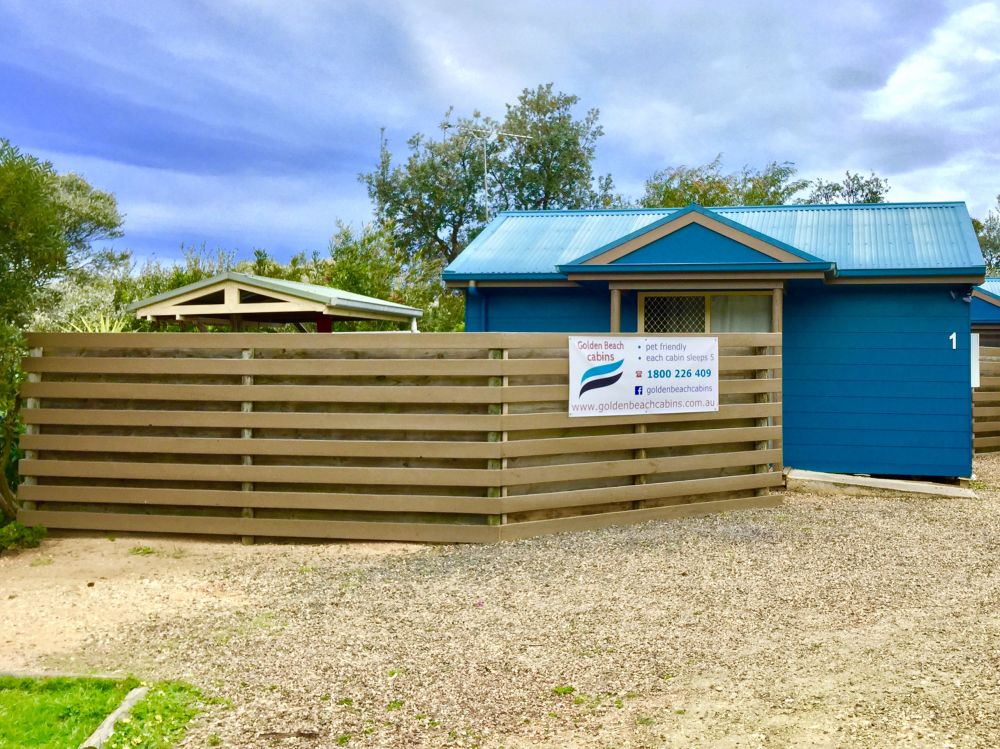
[31, 429]
[638, 454]
[761, 421]
[247, 460]
[493, 464]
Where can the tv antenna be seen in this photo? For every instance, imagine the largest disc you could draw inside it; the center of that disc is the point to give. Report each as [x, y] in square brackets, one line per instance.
[486, 135]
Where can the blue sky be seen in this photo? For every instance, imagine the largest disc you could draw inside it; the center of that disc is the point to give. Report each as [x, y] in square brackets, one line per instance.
[245, 124]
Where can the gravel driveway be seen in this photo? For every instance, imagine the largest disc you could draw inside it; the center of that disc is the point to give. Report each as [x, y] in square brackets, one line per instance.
[832, 621]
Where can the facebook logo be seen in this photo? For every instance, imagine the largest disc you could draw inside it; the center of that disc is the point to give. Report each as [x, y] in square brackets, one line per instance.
[638, 389]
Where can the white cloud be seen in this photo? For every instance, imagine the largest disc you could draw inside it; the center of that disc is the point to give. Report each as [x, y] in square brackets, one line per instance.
[275, 212]
[267, 110]
[958, 69]
[971, 177]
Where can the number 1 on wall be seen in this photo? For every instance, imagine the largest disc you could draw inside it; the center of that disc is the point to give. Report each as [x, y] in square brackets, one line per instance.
[954, 340]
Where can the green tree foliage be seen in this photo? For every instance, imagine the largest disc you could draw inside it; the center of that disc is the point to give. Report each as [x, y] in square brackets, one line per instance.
[854, 188]
[369, 262]
[709, 185]
[89, 216]
[988, 234]
[48, 223]
[11, 352]
[373, 263]
[550, 165]
[437, 200]
[433, 200]
[33, 242]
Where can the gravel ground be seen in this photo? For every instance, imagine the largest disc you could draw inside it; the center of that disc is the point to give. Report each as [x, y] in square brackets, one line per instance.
[832, 621]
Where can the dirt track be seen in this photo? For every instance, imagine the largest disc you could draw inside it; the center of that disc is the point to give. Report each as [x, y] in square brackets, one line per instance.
[831, 621]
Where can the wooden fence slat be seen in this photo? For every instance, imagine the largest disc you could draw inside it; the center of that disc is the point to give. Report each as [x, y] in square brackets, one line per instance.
[516, 531]
[287, 500]
[264, 420]
[516, 341]
[260, 446]
[561, 420]
[293, 500]
[266, 341]
[346, 341]
[275, 367]
[637, 492]
[637, 441]
[290, 393]
[381, 531]
[637, 466]
[80, 365]
[99, 469]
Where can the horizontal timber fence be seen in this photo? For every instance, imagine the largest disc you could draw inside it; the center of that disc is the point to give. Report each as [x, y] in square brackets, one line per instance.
[986, 402]
[450, 437]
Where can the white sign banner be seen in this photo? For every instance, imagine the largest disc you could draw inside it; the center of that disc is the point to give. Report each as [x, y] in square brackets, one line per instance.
[619, 376]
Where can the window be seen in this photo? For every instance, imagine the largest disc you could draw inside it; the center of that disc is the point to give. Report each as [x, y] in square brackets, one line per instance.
[674, 314]
[705, 313]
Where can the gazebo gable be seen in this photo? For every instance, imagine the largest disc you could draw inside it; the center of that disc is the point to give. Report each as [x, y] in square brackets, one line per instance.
[229, 297]
[236, 296]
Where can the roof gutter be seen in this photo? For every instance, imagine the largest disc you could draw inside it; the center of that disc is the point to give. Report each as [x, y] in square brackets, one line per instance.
[380, 308]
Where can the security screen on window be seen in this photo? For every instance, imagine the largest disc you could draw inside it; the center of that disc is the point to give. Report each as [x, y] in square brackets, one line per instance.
[706, 313]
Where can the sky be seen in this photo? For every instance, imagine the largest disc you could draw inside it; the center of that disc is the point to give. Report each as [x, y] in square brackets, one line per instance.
[242, 124]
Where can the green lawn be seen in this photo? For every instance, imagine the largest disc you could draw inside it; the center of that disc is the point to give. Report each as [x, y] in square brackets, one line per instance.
[55, 713]
[58, 713]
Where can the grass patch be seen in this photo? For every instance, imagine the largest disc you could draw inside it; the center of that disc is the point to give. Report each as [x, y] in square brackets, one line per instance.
[159, 721]
[61, 712]
[55, 713]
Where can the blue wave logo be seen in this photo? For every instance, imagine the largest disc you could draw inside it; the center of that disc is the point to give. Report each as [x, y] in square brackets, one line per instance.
[601, 376]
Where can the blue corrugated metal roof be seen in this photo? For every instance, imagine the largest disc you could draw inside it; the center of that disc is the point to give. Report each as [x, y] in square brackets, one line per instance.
[991, 286]
[872, 239]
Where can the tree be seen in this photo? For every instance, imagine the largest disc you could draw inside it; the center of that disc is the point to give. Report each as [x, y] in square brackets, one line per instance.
[988, 234]
[855, 188]
[374, 264]
[433, 200]
[11, 352]
[33, 245]
[440, 198]
[547, 163]
[48, 223]
[708, 185]
[89, 215]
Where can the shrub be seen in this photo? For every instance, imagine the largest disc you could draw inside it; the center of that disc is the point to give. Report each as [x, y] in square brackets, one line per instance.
[15, 536]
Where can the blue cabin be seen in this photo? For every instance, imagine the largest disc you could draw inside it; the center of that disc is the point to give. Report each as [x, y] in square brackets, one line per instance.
[986, 311]
[873, 302]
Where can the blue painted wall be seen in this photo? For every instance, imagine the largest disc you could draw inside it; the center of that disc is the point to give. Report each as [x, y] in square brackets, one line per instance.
[871, 382]
[540, 310]
[694, 244]
[984, 312]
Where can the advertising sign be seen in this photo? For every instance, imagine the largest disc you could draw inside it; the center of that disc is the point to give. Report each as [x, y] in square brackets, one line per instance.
[619, 376]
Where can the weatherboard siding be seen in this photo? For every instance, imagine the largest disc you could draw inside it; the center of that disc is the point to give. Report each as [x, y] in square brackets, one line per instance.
[984, 313]
[871, 382]
[538, 310]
